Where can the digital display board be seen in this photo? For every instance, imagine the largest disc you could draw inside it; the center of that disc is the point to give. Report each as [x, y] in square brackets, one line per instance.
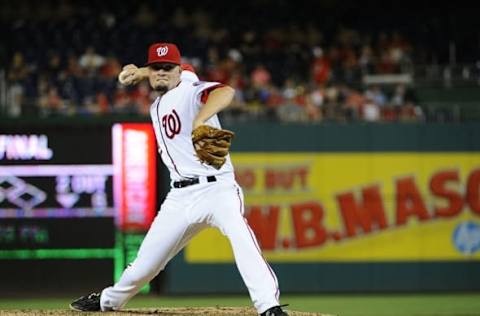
[52, 173]
[74, 187]
[56, 191]
[135, 175]
[58, 233]
[74, 192]
[107, 171]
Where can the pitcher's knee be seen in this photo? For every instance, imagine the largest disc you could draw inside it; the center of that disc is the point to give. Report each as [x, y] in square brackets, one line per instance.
[140, 275]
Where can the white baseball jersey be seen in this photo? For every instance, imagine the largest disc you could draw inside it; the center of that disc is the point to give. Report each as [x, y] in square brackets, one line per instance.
[188, 210]
[172, 117]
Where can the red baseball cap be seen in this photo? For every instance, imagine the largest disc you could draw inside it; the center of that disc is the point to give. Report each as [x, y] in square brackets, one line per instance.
[163, 53]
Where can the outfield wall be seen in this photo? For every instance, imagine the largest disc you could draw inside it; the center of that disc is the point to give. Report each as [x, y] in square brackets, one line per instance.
[351, 208]
[336, 208]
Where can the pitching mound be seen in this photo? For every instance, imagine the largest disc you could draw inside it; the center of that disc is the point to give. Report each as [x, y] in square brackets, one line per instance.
[181, 311]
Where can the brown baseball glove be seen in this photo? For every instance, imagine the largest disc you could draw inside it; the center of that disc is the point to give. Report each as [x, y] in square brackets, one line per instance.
[212, 144]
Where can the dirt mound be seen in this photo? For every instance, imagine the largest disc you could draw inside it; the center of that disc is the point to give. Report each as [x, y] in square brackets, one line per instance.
[179, 311]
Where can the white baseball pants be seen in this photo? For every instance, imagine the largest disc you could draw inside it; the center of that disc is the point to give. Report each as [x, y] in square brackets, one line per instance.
[183, 214]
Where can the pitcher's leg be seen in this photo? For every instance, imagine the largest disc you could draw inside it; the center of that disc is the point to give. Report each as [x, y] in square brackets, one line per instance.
[259, 278]
[167, 233]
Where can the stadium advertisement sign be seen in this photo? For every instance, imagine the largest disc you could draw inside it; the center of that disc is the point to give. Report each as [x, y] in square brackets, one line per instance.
[351, 207]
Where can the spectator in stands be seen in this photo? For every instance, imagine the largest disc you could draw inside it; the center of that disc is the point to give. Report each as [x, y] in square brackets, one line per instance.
[320, 67]
[260, 77]
[91, 62]
[122, 102]
[73, 79]
[142, 98]
[17, 76]
[255, 58]
[398, 97]
[316, 99]
[366, 60]
[51, 103]
[376, 95]
[371, 111]
[353, 103]
[54, 69]
[145, 16]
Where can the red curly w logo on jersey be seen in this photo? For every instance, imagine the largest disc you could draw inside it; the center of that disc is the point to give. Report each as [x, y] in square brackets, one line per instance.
[171, 124]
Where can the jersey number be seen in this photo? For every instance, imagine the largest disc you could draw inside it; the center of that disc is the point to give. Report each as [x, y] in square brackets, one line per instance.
[171, 124]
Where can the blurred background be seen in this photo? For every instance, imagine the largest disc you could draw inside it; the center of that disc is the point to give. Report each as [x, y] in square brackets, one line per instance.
[358, 127]
[320, 61]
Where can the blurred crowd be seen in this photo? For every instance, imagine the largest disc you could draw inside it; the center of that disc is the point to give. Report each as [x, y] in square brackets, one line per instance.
[63, 58]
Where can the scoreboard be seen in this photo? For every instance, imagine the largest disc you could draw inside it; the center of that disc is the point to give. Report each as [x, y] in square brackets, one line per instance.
[68, 193]
[53, 190]
[53, 183]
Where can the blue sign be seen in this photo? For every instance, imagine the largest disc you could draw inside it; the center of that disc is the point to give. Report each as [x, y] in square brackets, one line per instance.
[466, 237]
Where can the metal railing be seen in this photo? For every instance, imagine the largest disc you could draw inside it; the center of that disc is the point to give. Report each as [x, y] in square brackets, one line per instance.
[446, 76]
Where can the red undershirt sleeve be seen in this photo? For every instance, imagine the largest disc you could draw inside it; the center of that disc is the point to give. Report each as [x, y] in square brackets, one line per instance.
[206, 92]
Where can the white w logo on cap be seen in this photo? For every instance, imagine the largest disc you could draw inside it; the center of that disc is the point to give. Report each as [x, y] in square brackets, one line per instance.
[162, 51]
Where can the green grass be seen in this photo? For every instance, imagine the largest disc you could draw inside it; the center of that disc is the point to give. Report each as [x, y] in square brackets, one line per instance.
[343, 305]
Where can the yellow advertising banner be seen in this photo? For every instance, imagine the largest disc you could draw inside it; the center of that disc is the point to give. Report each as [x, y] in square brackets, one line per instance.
[321, 207]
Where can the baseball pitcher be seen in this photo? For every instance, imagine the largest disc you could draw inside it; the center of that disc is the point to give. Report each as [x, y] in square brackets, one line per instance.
[203, 192]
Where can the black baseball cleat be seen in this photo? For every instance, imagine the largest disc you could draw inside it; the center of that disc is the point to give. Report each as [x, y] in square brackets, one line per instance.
[88, 303]
[274, 311]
